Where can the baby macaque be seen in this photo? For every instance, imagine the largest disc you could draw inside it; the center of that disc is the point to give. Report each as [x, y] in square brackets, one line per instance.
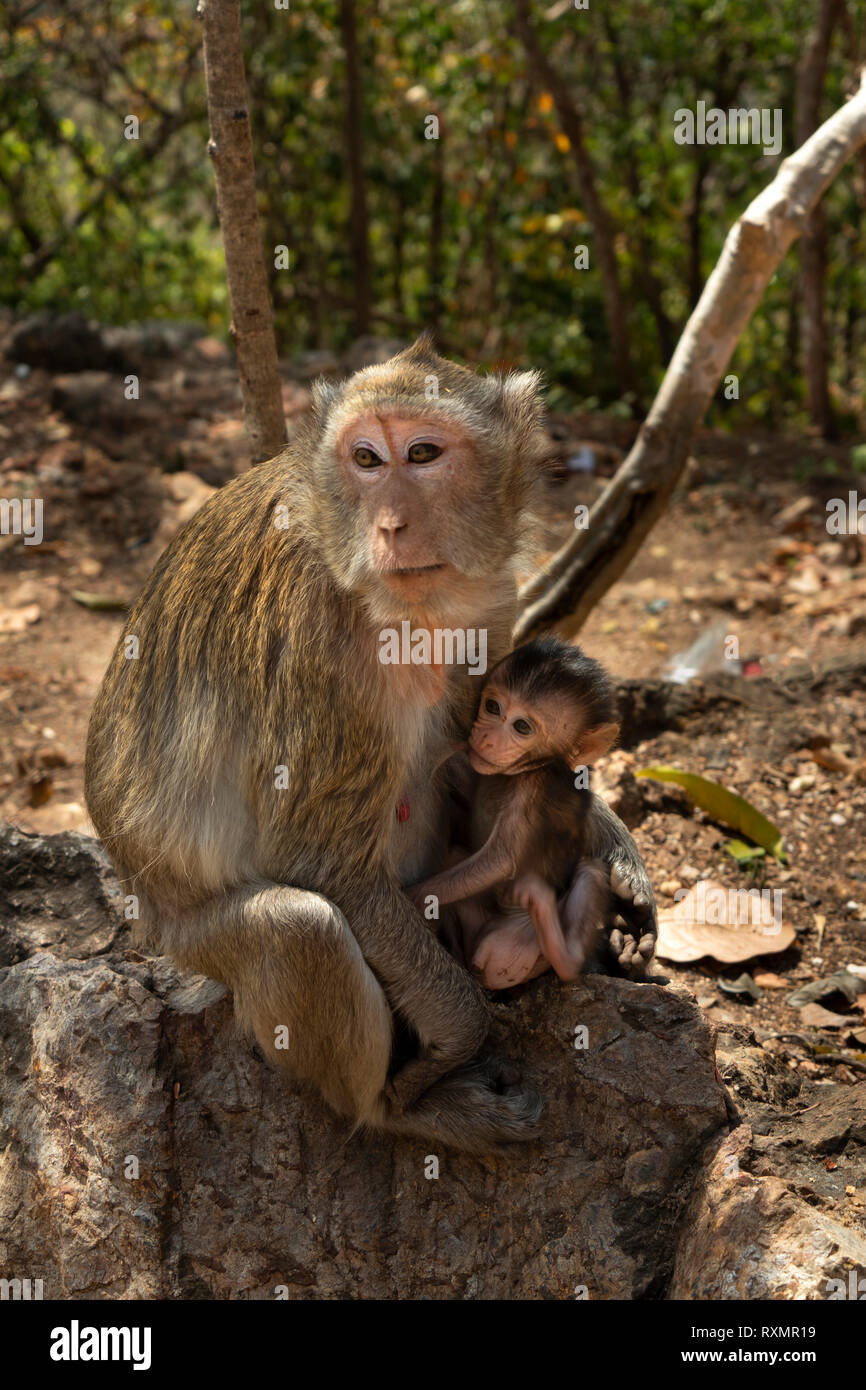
[546, 713]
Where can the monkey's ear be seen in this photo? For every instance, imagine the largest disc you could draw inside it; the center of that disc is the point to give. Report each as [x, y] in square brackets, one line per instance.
[519, 398]
[594, 743]
[325, 396]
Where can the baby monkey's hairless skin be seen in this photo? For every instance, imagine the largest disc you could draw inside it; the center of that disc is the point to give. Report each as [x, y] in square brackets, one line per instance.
[545, 712]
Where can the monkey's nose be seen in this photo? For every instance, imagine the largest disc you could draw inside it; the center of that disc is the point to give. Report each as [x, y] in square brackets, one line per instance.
[389, 529]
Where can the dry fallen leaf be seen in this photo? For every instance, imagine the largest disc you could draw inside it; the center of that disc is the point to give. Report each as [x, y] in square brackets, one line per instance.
[833, 759]
[17, 619]
[806, 581]
[765, 979]
[727, 924]
[814, 1016]
[41, 789]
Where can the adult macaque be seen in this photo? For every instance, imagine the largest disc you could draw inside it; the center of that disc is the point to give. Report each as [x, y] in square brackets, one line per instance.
[262, 781]
[545, 711]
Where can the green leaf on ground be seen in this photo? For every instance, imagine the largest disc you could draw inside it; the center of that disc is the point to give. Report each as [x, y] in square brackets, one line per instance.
[724, 806]
[103, 603]
[743, 853]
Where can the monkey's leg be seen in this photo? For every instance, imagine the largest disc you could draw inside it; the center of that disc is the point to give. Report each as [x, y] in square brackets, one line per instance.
[301, 986]
[455, 919]
[443, 1004]
[299, 977]
[633, 926]
[584, 910]
[471, 917]
[532, 893]
[521, 946]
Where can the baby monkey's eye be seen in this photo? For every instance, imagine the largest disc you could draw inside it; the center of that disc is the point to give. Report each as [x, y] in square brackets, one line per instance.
[423, 453]
[522, 726]
[491, 706]
[365, 458]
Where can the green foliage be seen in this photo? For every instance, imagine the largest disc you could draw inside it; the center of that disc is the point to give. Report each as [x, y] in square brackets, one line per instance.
[126, 229]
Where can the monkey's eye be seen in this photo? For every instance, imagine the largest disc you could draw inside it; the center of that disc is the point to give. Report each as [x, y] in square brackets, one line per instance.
[522, 727]
[365, 458]
[491, 706]
[423, 453]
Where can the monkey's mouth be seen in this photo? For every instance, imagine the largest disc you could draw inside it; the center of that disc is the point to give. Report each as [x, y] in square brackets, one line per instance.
[479, 763]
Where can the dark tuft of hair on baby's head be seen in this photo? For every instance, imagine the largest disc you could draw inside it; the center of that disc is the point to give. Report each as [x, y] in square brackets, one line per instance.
[549, 667]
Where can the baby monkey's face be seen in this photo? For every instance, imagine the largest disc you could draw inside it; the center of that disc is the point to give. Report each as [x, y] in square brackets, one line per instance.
[512, 733]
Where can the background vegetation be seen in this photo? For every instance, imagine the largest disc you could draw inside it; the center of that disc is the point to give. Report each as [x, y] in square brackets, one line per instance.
[556, 129]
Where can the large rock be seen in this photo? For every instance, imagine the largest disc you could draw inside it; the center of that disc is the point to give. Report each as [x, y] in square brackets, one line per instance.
[147, 1151]
[748, 1237]
[57, 892]
[61, 342]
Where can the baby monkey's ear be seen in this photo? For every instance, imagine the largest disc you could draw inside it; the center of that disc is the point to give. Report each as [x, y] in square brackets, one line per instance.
[594, 743]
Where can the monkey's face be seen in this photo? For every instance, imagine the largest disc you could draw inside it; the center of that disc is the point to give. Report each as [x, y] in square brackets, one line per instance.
[512, 733]
[423, 484]
[407, 477]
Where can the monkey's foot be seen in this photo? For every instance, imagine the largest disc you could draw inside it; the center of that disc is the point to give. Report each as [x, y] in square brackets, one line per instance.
[632, 937]
[633, 955]
[411, 1081]
[475, 1109]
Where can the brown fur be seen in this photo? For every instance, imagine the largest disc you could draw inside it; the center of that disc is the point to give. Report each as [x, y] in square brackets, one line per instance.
[258, 649]
[544, 709]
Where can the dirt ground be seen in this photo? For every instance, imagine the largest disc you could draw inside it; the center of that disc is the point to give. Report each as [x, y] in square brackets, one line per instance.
[743, 550]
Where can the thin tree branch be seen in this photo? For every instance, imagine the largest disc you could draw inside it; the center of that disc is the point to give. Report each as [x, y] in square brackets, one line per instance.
[575, 578]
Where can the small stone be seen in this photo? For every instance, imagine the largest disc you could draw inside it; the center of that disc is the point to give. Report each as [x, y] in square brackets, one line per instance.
[801, 784]
[837, 819]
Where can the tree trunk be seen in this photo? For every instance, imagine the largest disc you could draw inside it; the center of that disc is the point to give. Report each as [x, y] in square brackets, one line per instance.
[398, 241]
[604, 233]
[813, 246]
[231, 151]
[574, 579]
[693, 222]
[437, 227]
[359, 230]
[645, 277]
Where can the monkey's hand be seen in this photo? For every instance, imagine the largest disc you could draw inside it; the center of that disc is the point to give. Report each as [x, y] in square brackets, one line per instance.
[477, 873]
[628, 944]
[417, 892]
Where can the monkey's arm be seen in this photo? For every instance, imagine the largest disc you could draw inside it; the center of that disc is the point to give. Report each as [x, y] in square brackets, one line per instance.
[632, 934]
[492, 864]
[438, 998]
